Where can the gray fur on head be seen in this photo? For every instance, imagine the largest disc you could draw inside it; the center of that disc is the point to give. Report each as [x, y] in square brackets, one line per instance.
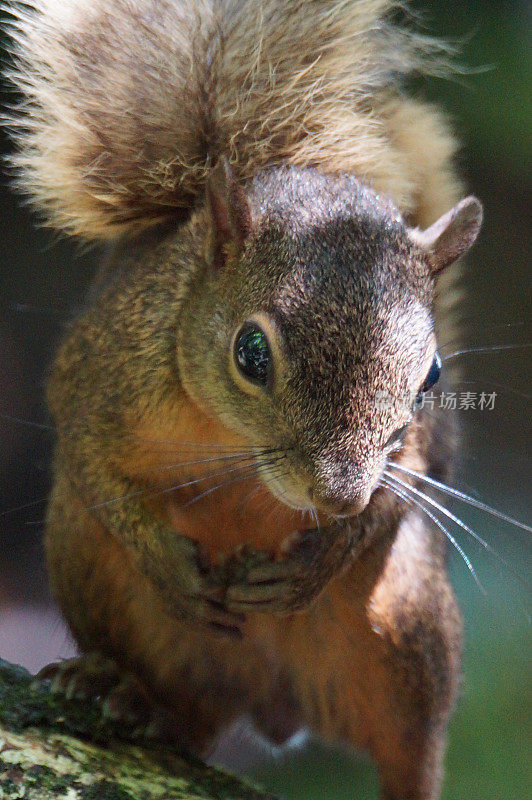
[349, 298]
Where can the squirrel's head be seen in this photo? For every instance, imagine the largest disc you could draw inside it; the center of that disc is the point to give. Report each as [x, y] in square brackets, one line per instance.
[310, 328]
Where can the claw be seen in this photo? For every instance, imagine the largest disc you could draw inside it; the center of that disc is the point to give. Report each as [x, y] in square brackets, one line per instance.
[311, 557]
[122, 697]
[215, 615]
[274, 572]
[257, 594]
[83, 678]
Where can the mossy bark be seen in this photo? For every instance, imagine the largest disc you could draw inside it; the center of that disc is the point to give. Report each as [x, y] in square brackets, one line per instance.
[57, 749]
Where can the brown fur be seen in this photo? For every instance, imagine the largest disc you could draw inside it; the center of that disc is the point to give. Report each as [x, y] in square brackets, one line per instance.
[373, 661]
[118, 138]
[127, 107]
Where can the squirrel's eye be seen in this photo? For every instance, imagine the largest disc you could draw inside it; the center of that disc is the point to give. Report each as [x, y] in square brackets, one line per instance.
[433, 374]
[252, 354]
[432, 378]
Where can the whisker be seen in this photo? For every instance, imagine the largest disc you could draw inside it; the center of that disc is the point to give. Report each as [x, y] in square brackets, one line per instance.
[250, 495]
[174, 447]
[251, 473]
[246, 456]
[500, 386]
[28, 423]
[412, 501]
[250, 463]
[461, 496]
[484, 329]
[231, 457]
[252, 468]
[146, 492]
[205, 445]
[23, 507]
[487, 349]
[272, 512]
[304, 512]
[445, 511]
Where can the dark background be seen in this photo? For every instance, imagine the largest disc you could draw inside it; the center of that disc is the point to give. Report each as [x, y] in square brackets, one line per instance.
[42, 279]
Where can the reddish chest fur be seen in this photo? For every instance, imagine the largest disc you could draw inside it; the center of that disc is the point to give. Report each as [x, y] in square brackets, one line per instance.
[221, 500]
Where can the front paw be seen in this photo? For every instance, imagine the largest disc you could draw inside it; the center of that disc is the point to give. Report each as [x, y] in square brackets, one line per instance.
[190, 587]
[263, 583]
[219, 596]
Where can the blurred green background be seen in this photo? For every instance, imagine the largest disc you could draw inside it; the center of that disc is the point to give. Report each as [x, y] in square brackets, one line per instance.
[42, 280]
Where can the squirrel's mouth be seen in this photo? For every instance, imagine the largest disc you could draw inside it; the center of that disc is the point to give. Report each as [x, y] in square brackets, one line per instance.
[291, 494]
[283, 493]
[302, 497]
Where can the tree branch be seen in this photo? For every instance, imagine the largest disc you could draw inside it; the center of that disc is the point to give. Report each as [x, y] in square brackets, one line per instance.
[57, 749]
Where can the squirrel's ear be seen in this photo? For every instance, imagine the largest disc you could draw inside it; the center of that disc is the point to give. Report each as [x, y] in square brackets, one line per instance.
[451, 235]
[229, 214]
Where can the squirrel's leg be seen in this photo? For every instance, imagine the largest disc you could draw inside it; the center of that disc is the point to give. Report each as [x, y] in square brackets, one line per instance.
[122, 696]
[192, 587]
[171, 562]
[411, 649]
[202, 679]
[386, 640]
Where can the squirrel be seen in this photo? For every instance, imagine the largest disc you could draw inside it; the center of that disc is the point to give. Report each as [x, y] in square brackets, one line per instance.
[278, 213]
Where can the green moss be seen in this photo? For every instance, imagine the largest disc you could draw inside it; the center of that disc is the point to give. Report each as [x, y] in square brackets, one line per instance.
[8, 788]
[104, 790]
[76, 749]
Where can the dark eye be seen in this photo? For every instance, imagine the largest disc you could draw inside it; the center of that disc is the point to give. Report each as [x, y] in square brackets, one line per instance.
[252, 354]
[433, 374]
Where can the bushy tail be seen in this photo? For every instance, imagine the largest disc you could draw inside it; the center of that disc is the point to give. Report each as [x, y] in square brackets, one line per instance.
[127, 103]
